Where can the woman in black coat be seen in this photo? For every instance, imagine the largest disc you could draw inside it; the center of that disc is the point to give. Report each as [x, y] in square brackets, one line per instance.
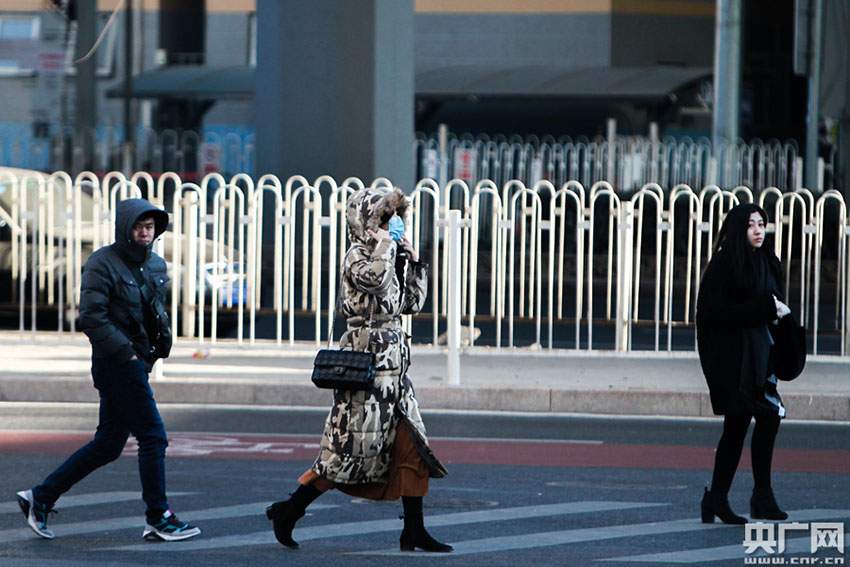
[738, 300]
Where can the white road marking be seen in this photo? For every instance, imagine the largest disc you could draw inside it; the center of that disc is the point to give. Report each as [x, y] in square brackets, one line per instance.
[796, 545]
[375, 526]
[138, 522]
[562, 537]
[548, 539]
[713, 554]
[202, 444]
[87, 500]
[522, 440]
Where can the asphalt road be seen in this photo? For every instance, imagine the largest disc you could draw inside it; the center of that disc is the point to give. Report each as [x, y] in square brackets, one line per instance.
[522, 490]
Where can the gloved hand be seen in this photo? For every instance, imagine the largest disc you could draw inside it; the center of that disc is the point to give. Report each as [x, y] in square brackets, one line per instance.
[405, 245]
[781, 309]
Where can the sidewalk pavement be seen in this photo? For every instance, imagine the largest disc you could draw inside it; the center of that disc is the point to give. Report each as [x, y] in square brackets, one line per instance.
[48, 369]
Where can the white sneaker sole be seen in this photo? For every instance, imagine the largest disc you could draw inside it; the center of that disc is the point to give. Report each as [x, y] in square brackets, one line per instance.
[151, 534]
[25, 501]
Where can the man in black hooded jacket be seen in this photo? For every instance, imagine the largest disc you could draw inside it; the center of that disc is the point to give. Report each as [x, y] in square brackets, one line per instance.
[121, 311]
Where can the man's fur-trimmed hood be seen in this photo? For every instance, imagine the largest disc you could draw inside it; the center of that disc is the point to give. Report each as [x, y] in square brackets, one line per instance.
[369, 208]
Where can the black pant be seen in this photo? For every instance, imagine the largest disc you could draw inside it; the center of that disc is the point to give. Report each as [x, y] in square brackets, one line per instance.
[127, 406]
[731, 444]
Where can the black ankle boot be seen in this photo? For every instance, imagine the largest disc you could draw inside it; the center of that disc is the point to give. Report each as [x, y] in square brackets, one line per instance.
[414, 534]
[284, 514]
[763, 505]
[717, 504]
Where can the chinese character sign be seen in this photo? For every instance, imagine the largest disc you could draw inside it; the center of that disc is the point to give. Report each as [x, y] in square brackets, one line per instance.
[770, 538]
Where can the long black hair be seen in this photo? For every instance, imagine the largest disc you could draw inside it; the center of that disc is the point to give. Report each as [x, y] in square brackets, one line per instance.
[733, 243]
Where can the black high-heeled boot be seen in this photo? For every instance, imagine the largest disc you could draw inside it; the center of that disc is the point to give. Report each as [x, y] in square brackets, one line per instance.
[285, 513]
[414, 534]
[763, 505]
[717, 504]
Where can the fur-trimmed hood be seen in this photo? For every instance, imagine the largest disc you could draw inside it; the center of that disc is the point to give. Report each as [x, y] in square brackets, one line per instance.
[365, 209]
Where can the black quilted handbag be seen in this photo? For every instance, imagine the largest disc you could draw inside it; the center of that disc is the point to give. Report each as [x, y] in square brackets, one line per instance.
[344, 369]
[337, 369]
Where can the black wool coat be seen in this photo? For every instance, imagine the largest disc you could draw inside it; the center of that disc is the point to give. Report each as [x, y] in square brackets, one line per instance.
[724, 310]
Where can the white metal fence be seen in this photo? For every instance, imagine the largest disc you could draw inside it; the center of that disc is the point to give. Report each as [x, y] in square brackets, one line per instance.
[545, 266]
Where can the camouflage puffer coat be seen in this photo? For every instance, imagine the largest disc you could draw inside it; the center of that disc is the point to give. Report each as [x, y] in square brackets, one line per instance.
[360, 429]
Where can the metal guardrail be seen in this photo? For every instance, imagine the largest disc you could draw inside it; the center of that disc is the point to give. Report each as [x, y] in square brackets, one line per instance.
[557, 262]
[627, 162]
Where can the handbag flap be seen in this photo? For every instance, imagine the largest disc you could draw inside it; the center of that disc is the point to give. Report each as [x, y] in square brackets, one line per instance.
[347, 358]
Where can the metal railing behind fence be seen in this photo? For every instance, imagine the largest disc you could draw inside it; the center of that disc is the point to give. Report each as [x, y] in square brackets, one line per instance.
[628, 163]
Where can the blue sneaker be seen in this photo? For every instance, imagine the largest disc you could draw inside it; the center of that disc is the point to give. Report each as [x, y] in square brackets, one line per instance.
[169, 528]
[36, 513]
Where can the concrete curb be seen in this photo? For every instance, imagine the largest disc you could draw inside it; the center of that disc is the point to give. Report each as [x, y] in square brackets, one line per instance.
[594, 382]
[827, 407]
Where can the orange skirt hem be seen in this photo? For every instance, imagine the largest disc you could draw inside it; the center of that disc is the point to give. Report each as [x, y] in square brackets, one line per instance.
[407, 476]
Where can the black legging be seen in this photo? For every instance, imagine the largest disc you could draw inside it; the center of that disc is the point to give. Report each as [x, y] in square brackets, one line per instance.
[731, 444]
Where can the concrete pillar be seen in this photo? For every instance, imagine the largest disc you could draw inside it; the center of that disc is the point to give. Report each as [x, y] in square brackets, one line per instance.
[334, 90]
[727, 72]
[127, 109]
[813, 108]
[85, 104]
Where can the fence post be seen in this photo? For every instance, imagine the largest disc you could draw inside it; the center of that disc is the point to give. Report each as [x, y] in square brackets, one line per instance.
[611, 173]
[443, 158]
[625, 269]
[454, 293]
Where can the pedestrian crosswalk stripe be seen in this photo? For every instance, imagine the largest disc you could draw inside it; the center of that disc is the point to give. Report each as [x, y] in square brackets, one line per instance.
[88, 500]
[713, 554]
[375, 526]
[137, 521]
[548, 539]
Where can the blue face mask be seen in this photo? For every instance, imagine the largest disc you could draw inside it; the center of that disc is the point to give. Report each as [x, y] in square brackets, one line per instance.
[396, 228]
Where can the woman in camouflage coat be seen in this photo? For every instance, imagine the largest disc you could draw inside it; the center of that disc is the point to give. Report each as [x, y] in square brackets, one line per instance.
[374, 444]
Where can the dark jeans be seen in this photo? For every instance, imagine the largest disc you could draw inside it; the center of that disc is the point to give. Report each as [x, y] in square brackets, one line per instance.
[127, 407]
[731, 445]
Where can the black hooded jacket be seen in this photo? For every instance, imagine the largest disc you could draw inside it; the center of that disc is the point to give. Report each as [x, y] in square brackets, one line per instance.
[123, 292]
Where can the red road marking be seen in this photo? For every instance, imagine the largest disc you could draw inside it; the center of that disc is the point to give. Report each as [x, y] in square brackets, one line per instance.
[461, 451]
